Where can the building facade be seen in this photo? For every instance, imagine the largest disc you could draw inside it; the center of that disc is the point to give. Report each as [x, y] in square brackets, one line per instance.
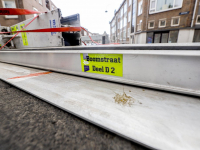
[165, 21]
[120, 25]
[37, 5]
[98, 38]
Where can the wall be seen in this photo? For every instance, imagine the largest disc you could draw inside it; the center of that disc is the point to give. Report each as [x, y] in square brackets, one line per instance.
[185, 20]
[29, 4]
[11, 21]
[140, 38]
[26, 4]
[184, 26]
[185, 36]
[142, 16]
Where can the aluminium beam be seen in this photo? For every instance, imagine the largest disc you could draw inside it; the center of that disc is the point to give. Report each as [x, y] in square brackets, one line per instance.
[171, 68]
[155, 119]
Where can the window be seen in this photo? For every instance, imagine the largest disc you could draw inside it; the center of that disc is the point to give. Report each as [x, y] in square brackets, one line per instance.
[139, 27]
[113, 38]
[124, 34]
[125, 7]
[164, 38]
[196, 36]
[162, 23]
[128, 32]
[121, 24]
[129, 16]
[164, 5]
[125, 21]
[130, 2]
[198, 19]
[152, 5]
[47, 4]
[113, 23]
[9, 4]
[175, 21]
[53, 7]
[140, 8]
[113, 30]
[134, 12]
[151, 24]
[160, 37]
[178, 3]
[40, 2]
[35, 10]
[122, 12]
[121, 36]
[150, 37]
[173, 36]
[157, 37]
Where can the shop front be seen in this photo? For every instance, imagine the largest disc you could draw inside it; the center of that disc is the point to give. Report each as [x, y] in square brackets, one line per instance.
[162, 37]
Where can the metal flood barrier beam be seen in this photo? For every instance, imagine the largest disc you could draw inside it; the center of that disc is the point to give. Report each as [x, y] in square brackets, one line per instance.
[154, 119]
[171, 68]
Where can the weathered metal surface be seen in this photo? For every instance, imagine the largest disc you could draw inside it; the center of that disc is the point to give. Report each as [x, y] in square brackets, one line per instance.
[170, 70]
[47, 39]
[156, 119]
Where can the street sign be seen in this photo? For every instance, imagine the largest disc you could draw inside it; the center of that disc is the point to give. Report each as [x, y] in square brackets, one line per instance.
[184, 13]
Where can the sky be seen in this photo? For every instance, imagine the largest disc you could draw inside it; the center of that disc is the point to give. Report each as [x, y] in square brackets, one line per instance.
[92, 12]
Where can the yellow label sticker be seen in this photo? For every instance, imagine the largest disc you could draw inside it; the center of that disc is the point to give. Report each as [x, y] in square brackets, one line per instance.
[107, 64]
[24, 36]
[14, 28]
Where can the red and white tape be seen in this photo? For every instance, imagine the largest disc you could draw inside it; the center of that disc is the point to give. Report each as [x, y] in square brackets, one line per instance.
[63, 29]
[17, 11]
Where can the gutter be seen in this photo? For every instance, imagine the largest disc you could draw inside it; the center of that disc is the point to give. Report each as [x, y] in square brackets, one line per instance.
[135, 28]
[148, 6]
[194, 12]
